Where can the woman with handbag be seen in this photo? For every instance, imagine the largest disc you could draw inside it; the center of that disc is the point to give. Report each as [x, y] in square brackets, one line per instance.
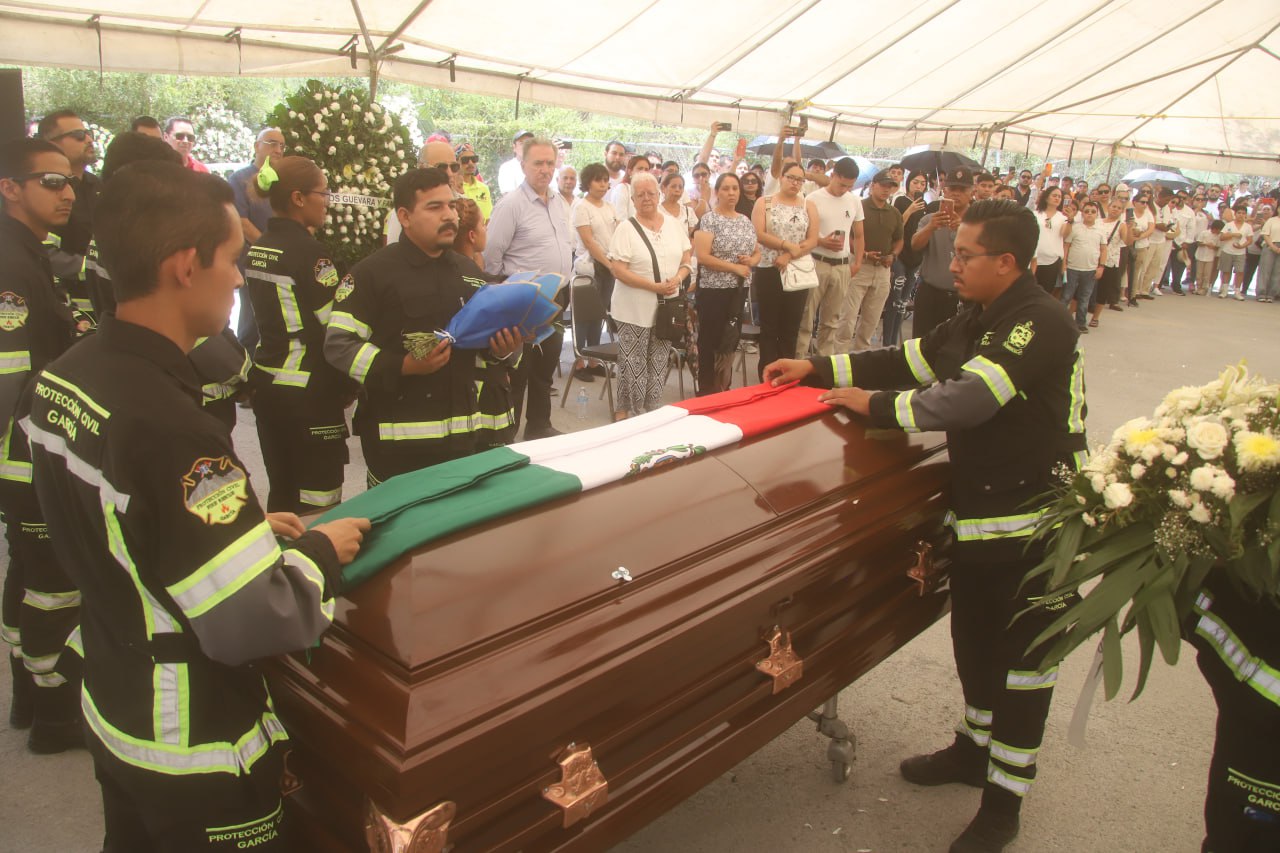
[726, 247]
[649, 256]
[787, 229]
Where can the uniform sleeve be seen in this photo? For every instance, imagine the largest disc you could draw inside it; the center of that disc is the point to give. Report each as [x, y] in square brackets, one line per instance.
[907, 366]
[348, 344]
[1017, 358]
[242, 594]
[318, 280]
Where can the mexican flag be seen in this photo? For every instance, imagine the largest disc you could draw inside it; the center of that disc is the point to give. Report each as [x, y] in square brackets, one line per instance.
[416, 508]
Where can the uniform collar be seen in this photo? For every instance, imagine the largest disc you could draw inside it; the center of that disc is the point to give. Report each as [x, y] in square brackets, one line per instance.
[1008, 301]
[415, 257]
[21, 233]
[151, 346]
[282, 223]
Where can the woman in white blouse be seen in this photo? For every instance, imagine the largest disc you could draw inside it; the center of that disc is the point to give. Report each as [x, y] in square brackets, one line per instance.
[642, 356]
[594, 222]
[1054, 228]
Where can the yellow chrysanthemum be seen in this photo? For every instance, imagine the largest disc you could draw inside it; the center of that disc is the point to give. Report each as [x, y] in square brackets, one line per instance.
[1256, 450]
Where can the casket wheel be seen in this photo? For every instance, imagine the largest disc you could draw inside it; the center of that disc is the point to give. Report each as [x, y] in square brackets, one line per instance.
[840, 771]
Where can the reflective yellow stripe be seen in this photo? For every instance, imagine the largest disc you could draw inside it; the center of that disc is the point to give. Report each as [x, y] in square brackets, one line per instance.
[977, 715]
[425, 429]
[842, 370]
[215, 391]
[902, 411]
[312, 497]
[1024, 679]
[74, 642]
[345, 321]
[16, 361]
[981, 737]
[997, 381]
[285, 295]
[228, 571]
[14, 470]
[1012, 756]
[51, 600]
[40, 665]
[359, 370]
[1075, 411]
[81, 396]
[502, 421]
[1249, 669]
[1000, 527]
[11, 635]
[919, 365]
[323, 312]
[1008, 781]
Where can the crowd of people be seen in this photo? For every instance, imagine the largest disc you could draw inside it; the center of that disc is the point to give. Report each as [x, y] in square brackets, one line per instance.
[122, 282]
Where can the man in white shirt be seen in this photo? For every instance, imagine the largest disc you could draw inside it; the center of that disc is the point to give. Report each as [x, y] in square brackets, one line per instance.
[1184, 242]
[1232, 245]
[1161, 239]
[1086, 256]
[511, 173]
[615, 160]
[838, 257]
[1141, 229]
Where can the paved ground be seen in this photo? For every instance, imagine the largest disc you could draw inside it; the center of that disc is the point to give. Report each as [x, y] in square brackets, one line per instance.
[1138, 786]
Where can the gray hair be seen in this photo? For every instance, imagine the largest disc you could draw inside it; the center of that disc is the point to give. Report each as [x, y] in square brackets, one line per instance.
[644, 178]
[537, 141]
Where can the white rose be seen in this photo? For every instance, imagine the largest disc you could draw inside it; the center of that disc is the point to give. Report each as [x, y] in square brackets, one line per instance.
[1223, 486]
[1098, 482]
[315, 137]
[1200, 513]
[342, 229]
[387, 159]
[316, 96]
[1171, 473]
[333, 106]
[1202, 478]
[292, 114]
[1137, 470]
[1151, 451]
[324, 111]
[1208, 439]
[359, 146]
[1117, 495]
[332, 150]
[351, 139]
[1179, 498]
[346, 239]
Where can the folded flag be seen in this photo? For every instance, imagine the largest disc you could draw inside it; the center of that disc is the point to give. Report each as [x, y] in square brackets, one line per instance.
[525, 300]
[416, 508]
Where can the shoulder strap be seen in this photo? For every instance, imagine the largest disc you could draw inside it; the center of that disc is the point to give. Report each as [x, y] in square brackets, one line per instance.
[1114, 229]
[768, 201]
[653, 256]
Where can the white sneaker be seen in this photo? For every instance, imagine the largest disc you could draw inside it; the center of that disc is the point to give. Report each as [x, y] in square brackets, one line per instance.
[1222, 294]
[1155, 291]
[1239, 298]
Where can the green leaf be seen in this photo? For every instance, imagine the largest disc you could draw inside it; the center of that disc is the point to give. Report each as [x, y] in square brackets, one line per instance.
[1185, 596]
[1112, 659]
[1146, 647]
[1104, 602]
[1065, 547]
[1164, 625]
[1241, 505]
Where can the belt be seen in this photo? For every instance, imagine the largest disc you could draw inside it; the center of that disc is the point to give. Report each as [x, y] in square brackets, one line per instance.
[835, 262]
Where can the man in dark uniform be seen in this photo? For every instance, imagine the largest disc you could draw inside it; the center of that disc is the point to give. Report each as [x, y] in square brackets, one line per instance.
[69, 242]
[36, 326]
[1004, 379]
[418, 411]
[183, 578]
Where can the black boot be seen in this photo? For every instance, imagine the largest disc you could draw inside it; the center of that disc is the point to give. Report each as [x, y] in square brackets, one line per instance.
[964, 762]
[989, 832]
[58, 724]
[23, 709]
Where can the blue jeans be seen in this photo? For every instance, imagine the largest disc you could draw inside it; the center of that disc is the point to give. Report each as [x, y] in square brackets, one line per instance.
[1080, 285]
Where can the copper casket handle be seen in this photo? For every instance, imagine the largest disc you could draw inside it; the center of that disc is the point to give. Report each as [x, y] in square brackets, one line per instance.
[924, 572]
[582, 788]
[426, 833]
[782, 664]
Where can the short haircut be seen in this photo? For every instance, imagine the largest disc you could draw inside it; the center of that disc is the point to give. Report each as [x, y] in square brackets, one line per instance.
[168, 125]
[643, 178]
[297, 174]
[893, 166]
[132, 147]
[821, 164]
[613, 142]
[1217, 225]
[668, 177]
[414, 181]
[591, 173]
[536, 142]
[847, 168]
[667, 164]
[1240, 206]
[1006, 227]
[18, 156]
[1092, 204]
[728, 176]
[49, 124]
[148, 211]
[145, 121]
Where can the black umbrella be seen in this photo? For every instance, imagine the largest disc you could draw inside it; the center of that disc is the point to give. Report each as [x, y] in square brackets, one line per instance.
[763, 146]
[933, 160]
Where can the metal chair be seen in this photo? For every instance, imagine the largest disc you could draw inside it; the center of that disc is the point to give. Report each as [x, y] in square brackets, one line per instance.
[749, 335]
[586, 312]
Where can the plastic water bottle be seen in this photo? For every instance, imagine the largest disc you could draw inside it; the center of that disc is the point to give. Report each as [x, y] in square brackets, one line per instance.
[582, 404]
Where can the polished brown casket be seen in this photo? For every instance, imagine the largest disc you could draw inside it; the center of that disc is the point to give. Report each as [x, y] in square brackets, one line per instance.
[557, 679]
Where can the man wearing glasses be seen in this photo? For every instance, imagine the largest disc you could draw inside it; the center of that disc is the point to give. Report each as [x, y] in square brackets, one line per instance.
[436, 155]
[472, 187]
[70, 240]
[1005, 381]
[254, 212]
[180, 133]
[1022, 192]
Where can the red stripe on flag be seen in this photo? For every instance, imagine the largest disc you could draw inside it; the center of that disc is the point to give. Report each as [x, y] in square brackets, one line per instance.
[759, 409]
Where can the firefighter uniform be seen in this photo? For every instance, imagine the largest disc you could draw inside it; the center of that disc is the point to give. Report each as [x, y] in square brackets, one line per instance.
[404, 422]
[1007, 386]
[1238, 644]
[69, 250]
[184, 587]
[298, 396]
[495, 417]
[40, 602]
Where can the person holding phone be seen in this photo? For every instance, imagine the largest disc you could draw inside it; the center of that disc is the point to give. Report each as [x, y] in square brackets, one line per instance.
[838, 257]
[936, 299]
[1056, 227]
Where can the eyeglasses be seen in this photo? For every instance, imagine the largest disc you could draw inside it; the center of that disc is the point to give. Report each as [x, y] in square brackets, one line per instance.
[271, 143]
[327, 195]
[700, 175]
[451, 167]
[799, 179]
[55, 181]
[964, 258]
[79, 135]
[184, 137]
[468, 159]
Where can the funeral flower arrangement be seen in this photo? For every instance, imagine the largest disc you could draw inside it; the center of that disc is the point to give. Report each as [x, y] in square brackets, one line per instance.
[361, 147]
[1191, 490]
[101, 139]
[221, 136]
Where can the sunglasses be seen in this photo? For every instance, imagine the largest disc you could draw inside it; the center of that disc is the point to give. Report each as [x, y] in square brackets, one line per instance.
[464, 160]
[55, 181]
[450, 167]
[79, 135]
[185, 137]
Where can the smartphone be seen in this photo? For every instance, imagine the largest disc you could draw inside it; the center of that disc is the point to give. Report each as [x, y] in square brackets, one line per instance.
[947, 207]
[836, 234]
[1128, 214]
[1048, 170]
[724, 125]
[916, 196]
[566, 145]
[803, 124]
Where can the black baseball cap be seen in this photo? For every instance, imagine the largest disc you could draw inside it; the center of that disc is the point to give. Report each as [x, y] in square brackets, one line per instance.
[883, 177]
[960, 176]
[521, 135]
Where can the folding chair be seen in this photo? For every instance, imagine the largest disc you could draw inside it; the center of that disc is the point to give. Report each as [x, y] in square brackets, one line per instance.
[587, 312]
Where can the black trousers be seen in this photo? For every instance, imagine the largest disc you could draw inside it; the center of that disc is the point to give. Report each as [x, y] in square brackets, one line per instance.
[603, 280]
[1174, 271]
[385, 459]
[1006, 698]
[532, 379]
[780, 312]
[933, 308]
[1251, 262]
[1049, 276]
[147, 812]
[715, 307]
[304, 449]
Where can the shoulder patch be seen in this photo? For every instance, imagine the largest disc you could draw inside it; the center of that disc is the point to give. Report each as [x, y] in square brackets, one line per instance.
[1019, 337]
[215, 490]
[13, 311]
[344, 289]
[326, 272]
[986, 339]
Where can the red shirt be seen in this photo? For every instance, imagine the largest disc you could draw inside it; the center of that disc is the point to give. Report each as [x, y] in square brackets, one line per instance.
[196, 166]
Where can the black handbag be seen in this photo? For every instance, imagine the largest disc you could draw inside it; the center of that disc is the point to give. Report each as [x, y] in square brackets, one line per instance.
[673, 311]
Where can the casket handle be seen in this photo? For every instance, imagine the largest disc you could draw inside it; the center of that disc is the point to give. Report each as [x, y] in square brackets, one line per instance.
[426, 833]
[582, 787]
[924, 573]
[782, 664]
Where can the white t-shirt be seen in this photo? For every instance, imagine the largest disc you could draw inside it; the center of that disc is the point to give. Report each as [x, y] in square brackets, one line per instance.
[1164, 216]
[603, 220]
[510, 176]
[1050, 248]
[836, 214]
[631, 304]
[1141, 222]
[1084, 246]
[620, 197]
[1207, 243]
[1185, 218]
[1233, 232]
[1271, 231]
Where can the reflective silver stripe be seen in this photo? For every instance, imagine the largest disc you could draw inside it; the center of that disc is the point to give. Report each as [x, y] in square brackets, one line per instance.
[215, 391]
[1003, 527]
[74, 642]
[48, 679]
[40, 665]
[167, 680]
[51, 600]
[228, 571]
[1030, 679]
[345, 321]
[424, 429]
[502, 421]
[977, 715]
[842, 370]
[280, 376]
[99, 269]
[1204, 601]
[1075, 412]
[10, 635]
[312, 573]
[1012, 756]
[1009, 782]
[978, 736]
[997, 381]
[324, 312]
[177, 759]
[919, 365]
[15, 361]
[318, 498]
[12, 469]
[1251, 670]
[903, 413]
[360, 365]
[57, 445]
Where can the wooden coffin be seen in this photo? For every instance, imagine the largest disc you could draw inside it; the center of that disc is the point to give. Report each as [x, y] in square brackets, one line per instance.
[508, 688]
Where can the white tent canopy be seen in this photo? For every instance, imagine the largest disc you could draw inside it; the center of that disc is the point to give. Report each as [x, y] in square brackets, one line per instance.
[1180, 82]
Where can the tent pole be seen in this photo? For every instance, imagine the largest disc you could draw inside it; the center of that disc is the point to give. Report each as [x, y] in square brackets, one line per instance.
[1111, 162]
[986, 146]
